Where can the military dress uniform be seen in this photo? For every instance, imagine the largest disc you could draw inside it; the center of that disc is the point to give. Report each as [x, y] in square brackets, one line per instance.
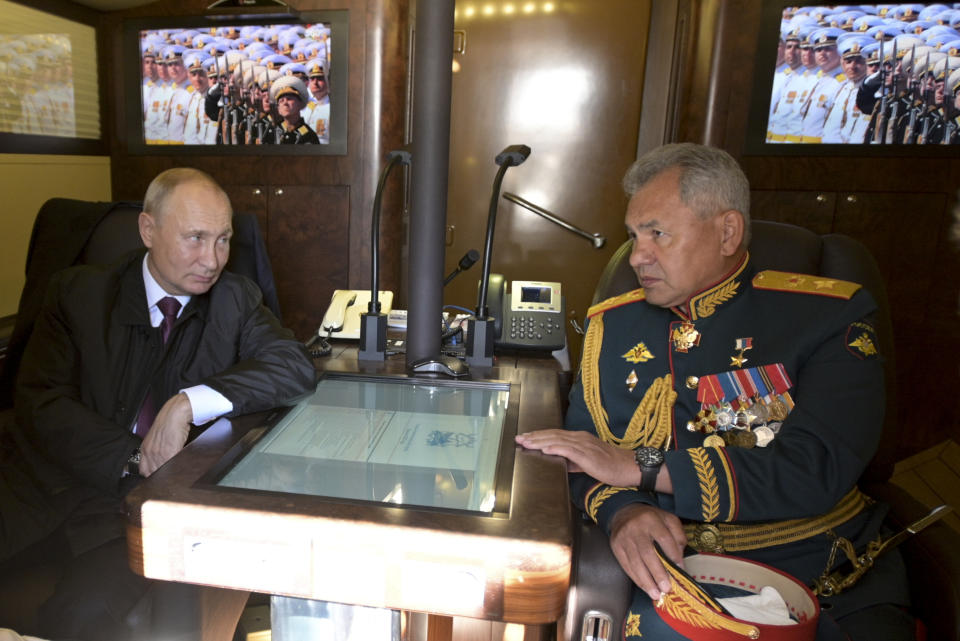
[766, 392]
[819, 102]
[299, 134]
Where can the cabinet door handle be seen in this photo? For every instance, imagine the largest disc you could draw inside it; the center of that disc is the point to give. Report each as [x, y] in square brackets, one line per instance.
[278, 192]
[821, 198]
[852, 198]
[257, 191]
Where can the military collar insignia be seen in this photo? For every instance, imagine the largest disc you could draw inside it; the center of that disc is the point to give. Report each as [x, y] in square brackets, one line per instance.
[705, 303]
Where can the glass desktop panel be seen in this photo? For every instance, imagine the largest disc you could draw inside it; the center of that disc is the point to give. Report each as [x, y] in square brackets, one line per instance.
[387, 441]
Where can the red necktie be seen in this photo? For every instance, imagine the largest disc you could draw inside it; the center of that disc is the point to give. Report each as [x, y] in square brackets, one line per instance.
[168, 306]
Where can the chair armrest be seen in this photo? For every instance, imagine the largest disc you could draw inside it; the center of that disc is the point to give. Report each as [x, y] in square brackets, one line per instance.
[932, 558]
[597, 583]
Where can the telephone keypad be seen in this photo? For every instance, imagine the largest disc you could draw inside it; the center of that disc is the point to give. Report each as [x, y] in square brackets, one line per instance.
[532, 327]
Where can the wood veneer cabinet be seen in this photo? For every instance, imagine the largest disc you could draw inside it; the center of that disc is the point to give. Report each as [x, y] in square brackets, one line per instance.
[306, 229]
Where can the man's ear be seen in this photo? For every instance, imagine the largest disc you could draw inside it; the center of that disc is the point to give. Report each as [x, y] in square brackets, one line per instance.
[148, 227]
[732, 231]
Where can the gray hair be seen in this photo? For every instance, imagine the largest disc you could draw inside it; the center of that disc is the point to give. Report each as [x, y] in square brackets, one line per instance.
[166, 183]
[711, 181]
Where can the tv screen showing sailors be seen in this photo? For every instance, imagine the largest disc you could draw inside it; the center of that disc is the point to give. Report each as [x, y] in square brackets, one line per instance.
[36, 86]
[250, 85]
[867, 74]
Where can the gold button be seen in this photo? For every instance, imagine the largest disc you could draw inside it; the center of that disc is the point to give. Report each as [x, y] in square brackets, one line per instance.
[692, 382]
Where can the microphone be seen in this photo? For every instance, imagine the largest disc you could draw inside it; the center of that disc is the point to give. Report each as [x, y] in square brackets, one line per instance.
[513, 155]
[480, 327]
[466, 262]
[373, 324]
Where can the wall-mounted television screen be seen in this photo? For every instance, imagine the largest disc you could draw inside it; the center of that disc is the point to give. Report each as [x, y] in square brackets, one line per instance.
[222, 86]
[855, 75]
[49, 94]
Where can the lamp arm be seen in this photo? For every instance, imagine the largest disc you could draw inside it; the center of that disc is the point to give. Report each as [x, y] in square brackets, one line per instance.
[598, 240]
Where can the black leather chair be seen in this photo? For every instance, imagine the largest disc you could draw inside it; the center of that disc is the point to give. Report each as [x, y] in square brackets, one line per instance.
[71, 232]
[601, 592]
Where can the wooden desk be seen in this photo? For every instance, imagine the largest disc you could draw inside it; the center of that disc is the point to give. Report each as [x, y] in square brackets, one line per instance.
[513, 567]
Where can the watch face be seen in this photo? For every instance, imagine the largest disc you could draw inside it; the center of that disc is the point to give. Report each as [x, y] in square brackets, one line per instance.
[649, 457]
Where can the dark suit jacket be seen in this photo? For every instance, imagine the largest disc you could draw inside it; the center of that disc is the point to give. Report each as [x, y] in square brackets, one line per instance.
[93, 355]
[68, 232]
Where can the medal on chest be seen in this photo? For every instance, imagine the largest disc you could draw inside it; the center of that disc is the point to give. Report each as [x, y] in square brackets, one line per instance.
[743, 407]
[685, 337]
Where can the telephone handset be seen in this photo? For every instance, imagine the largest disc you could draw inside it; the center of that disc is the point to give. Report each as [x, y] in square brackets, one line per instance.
[496, 287]
[342, 319]
[529, 315]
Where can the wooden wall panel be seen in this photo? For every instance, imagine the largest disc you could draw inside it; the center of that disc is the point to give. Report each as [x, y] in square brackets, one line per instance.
[811, 209]
[308, 229]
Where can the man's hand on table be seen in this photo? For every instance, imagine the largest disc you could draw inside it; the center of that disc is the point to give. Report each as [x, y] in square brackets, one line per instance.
[586, 453]
[168, 434]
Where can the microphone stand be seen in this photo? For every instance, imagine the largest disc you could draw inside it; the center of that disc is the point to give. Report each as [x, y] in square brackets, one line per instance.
[373, 324]
[480, 327]
[597, 239]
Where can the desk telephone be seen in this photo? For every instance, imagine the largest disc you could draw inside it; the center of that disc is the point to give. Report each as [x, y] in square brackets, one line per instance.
[342, 319]
[530, 315]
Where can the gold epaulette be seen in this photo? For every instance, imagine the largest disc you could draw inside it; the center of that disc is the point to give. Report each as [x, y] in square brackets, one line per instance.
[805, 284]
[303, 130]
[616, 301]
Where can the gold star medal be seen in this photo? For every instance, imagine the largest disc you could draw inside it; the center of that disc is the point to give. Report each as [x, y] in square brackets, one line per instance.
[741, 345]
[685, 337]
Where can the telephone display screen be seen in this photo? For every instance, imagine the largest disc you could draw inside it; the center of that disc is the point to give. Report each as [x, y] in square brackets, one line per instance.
[387, 440]
[535, 294]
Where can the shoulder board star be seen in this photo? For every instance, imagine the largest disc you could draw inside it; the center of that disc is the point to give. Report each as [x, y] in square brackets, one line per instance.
[805, 284]
[616, 301]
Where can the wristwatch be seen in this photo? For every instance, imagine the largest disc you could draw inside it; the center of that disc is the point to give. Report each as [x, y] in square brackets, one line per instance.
[649, 460]
[133, 463]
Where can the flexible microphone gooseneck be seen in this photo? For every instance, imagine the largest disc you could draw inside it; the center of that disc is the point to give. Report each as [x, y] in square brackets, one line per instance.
[466, 262]
[373, 324]
[480, 329]
[511, 156]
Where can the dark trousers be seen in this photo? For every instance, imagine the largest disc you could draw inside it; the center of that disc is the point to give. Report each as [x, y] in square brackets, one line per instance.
[77, 584]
